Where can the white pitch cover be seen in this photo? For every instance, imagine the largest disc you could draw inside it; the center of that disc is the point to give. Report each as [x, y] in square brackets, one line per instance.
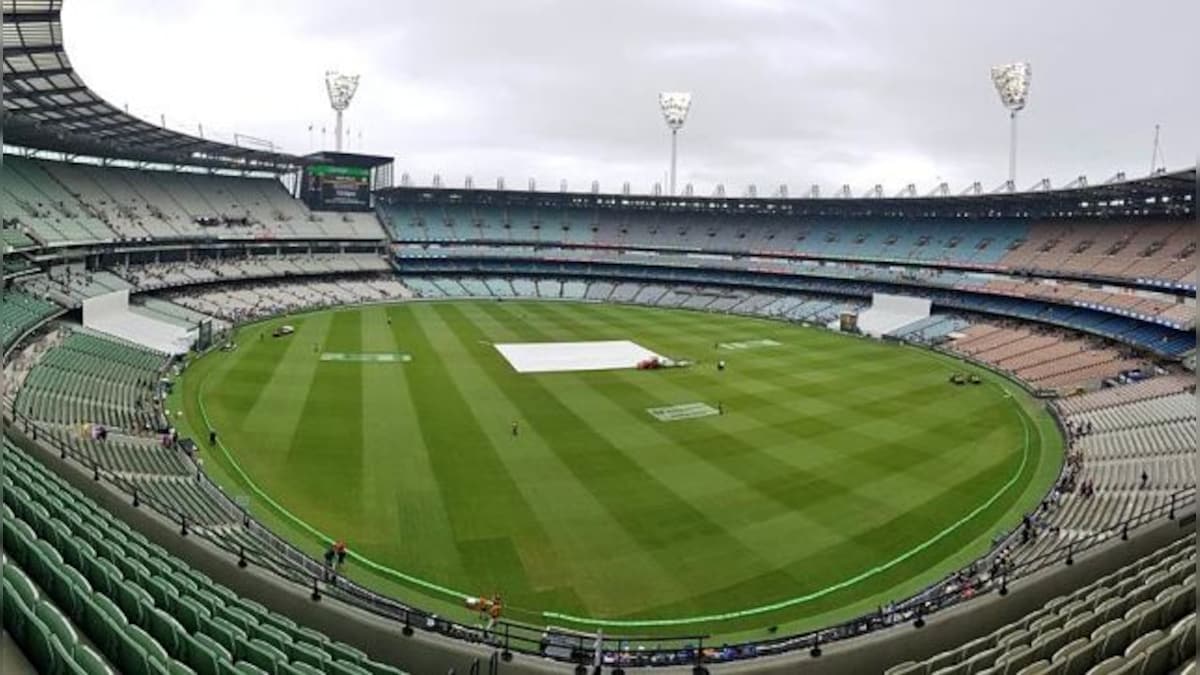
[553, 357]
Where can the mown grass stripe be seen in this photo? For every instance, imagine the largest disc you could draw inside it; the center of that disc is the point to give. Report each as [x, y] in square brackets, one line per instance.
[580, 524]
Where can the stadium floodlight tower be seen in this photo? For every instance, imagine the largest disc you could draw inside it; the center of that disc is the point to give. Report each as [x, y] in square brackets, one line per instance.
[341, 90]
[675, 106]
[1012, 83]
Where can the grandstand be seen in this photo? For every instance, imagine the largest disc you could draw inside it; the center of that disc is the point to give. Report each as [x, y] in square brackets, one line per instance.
[108, 518]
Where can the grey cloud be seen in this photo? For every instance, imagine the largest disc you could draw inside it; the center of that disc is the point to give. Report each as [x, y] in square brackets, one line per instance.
[827, 91]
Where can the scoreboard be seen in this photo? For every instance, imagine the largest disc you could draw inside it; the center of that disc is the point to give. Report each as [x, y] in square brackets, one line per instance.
[328, 187]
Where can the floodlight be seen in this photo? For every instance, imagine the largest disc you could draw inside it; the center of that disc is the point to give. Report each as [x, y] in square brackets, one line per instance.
[674, 106]
[1012, 84]
[341, 88]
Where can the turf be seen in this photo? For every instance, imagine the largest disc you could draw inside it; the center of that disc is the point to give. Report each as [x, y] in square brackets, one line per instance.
[835, 456]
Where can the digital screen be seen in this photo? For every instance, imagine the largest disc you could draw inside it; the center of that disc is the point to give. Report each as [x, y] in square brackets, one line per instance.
[337, 188]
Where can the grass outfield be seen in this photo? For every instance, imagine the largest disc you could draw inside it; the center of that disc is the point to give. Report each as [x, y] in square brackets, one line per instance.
[845, 472]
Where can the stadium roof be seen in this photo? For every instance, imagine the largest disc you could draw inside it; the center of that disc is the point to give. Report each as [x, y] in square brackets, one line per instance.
[347, 159]
[1158, 195]
[47, 106]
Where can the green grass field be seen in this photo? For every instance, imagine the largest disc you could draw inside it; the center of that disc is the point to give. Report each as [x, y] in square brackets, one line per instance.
[845, 472]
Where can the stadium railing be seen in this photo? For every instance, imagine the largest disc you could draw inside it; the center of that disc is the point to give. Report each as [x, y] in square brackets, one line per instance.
[507, 637]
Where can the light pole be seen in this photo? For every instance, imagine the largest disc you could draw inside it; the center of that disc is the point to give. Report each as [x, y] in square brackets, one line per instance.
[674, 107]
[1012, 83]
[341, 90]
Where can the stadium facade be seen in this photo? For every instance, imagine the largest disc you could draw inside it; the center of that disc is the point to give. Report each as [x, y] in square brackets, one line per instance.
[1088, 291]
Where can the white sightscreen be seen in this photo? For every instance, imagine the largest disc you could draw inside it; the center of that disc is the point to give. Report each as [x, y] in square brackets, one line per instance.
[110, 314]
[889, 312]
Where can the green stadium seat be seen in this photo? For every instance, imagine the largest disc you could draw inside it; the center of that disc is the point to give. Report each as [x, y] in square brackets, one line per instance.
[167, 631]
[152, 648]
[205, 654]
[35, 638]
[163, 592]
[262, 655]
[177, 668]
[225, 633]
[132, 599]
[344, 652]
[271, 635]
[345, 668]
[64, 660]
[189, 612]
[303, 652]
[382, 668]
[99, 624]
[21, 585]
[57, 623]
[90, 662]
[238, 617]
[300, 669]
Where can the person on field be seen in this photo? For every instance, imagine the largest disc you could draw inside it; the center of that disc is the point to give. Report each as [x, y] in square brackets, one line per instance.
[212, 436]
[720, 408]
[340, 550]
[330, 554]
[494, 611]
[516, 429]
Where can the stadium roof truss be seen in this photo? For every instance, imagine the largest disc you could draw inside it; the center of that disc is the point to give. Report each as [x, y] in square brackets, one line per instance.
[1164, 194]
[47, 106]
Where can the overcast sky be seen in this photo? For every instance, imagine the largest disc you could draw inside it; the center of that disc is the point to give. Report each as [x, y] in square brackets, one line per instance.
[791, 91]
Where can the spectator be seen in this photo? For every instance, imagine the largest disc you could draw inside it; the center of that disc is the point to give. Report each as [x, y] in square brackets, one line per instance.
[330, 554]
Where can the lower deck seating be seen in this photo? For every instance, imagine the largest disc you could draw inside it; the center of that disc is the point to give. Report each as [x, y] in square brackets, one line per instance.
[247, 301]
[86, 594]
[1044, 357]
[1122, 458]
[19, 312]
[91, 380]
[1139, 619]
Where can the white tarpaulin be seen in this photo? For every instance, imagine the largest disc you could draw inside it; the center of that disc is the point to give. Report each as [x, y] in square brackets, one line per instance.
[889, 312]
[550, 357]
[109, 313]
